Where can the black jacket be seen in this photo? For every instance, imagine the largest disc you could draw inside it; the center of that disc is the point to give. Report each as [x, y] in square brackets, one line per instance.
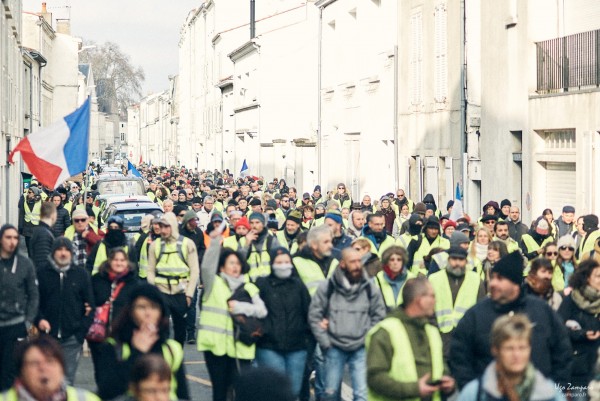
[584, 350]
[286, 326]
[101, 286]
[19, 295]
[63, 220]
[62, 301]
[470, 343]
[40, 244]
[516, 230]
[197, 237]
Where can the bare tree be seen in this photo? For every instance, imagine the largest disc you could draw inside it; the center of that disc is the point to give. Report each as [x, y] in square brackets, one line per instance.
[117, 79]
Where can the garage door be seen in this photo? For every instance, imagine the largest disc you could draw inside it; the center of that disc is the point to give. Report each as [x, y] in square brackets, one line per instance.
[560, 186]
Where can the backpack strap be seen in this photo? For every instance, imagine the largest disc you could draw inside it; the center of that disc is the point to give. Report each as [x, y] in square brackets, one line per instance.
[163, 245]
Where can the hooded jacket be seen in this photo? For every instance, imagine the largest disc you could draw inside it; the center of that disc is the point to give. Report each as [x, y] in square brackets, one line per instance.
[40, 244]
[63, 220]
[352, 310]
[63, 299]
[430, 200]
[192, 262]
[470, 344]
[197, 236]
[352, 231]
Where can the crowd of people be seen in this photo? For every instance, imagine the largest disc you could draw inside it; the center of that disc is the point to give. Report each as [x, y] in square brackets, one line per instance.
[270, 284]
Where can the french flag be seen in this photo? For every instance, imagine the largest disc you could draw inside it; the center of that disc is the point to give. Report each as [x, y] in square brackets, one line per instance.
[59, 151]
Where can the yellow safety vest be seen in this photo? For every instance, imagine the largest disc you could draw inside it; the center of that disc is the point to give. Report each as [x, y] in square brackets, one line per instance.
[143, 263]
[532, 246]
[284, 242]
[404, 240]
[558, 277]
[231, 242]
[70, 231]
[388, 293]
[473, 264]
[387, 242]
[311, 274]
[33, 216]
[171, 265]
[424, 249]
[259, 263]
[102, 257]
[447, 312]
[588, 246]
[403, 367]
[172, 352]
[151, 195]
[216, 332]
[511, 244]
[73, 394]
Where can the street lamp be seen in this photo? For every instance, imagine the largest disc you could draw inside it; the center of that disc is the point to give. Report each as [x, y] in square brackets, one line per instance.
[88, 47]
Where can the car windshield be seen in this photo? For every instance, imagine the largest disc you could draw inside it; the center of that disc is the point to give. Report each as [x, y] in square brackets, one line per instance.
[132, 219]
[121, 187]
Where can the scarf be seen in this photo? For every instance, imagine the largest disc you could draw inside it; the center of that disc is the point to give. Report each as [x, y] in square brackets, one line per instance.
[24, 395]
[114, 239]
[516, 391]
[588, 299]
[117, 276]
[481, 251]
[56, 267]
[393, 275]
[233, 282]
[79, 250]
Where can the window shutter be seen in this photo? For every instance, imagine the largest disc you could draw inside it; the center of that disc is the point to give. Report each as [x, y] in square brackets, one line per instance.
[441, 57]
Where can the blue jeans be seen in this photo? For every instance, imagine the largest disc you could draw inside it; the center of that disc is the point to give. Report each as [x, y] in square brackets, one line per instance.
[290, 364]
[335, 361]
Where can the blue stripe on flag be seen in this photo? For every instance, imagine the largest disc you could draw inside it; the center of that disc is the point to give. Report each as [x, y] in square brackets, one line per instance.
[76, 148]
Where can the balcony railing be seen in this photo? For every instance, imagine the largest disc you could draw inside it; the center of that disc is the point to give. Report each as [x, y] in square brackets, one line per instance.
[569, 63]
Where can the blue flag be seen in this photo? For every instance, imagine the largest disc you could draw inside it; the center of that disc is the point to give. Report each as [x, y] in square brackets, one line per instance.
[457, 209]
[132, 170]
[245, 171]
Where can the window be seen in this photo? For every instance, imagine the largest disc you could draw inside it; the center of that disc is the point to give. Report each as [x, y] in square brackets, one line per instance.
[441, 57]
[562, 139]
[416, 57]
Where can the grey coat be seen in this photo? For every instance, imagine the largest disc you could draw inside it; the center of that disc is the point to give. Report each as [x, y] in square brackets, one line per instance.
[352, 310]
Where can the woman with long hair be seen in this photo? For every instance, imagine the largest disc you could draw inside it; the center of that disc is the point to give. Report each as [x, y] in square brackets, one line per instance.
[388, 213]
[565, 265]
[496, 250]
[511, 376]
[580, 311]
[549, 217]
[479, 246]
[141, 328]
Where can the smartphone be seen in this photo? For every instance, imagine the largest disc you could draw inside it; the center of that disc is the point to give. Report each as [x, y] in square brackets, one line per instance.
[434, 382]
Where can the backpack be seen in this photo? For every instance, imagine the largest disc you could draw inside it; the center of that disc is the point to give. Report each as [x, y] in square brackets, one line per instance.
[163, 245]
[246, 329]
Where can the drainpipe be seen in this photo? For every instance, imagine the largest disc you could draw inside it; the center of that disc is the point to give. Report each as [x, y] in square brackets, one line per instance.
[319, 136]
[252, 19]
[463, 105]
[396, 139]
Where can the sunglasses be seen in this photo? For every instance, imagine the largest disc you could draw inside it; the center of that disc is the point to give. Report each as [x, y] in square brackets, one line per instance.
[564, 248]
[491, 222]
[79, 220]
[551, 253]
[341, 188]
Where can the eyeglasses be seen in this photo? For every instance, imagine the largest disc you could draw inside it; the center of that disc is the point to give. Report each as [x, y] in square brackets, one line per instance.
[490, 222]
[564, 248]
[79, 220]
[552, 253]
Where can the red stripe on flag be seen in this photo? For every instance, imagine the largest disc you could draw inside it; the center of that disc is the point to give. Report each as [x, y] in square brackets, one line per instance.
[46, 173]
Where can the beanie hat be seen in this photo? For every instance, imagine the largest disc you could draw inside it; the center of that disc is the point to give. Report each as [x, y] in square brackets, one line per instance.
[118, 220]
[294, 216]
[243, 222]
[317, 188]
[462, 227]
[568, 209]
[177, 209]
[432, 222]
[430, 206]
[255, 202]
[278, 251]
[257, 216]
[488, 217]
[458, 238]
[449, 223]
[457, 252]
[493, 204]
[385, 198]
[36, 191]
[420, 208]
[306, 195]
[79, 214]
[216, 216]
[590, 223]
[196, 199]
[505, 202]
[567, 241]
[542, 227]
[272, 223]
[510, 267]
[335, 216]
[272, 204]
[61, 242]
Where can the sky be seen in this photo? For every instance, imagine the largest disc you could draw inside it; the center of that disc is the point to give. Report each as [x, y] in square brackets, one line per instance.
[146, 30]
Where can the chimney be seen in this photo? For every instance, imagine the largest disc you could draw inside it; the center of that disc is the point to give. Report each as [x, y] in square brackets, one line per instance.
[45, 14]
[252, 19]
[63, 26]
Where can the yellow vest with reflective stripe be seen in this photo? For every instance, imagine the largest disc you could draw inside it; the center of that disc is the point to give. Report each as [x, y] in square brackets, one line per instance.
[311, 274]
[387, 242]
[172, 353]
[511, 244]
[418, 265]
[73, 394]
[531, 245]
[558, 277]
[143, 264]
[170, 268]
[447, 312]
[589, 243]
[102, 257]
[403, 366]
[404, 240]
[259, 262]
[388, 293]
[33, 216]
[216, 333]
[284, 243]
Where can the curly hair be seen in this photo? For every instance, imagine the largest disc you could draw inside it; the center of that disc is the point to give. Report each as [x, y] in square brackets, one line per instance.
[579, 279]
